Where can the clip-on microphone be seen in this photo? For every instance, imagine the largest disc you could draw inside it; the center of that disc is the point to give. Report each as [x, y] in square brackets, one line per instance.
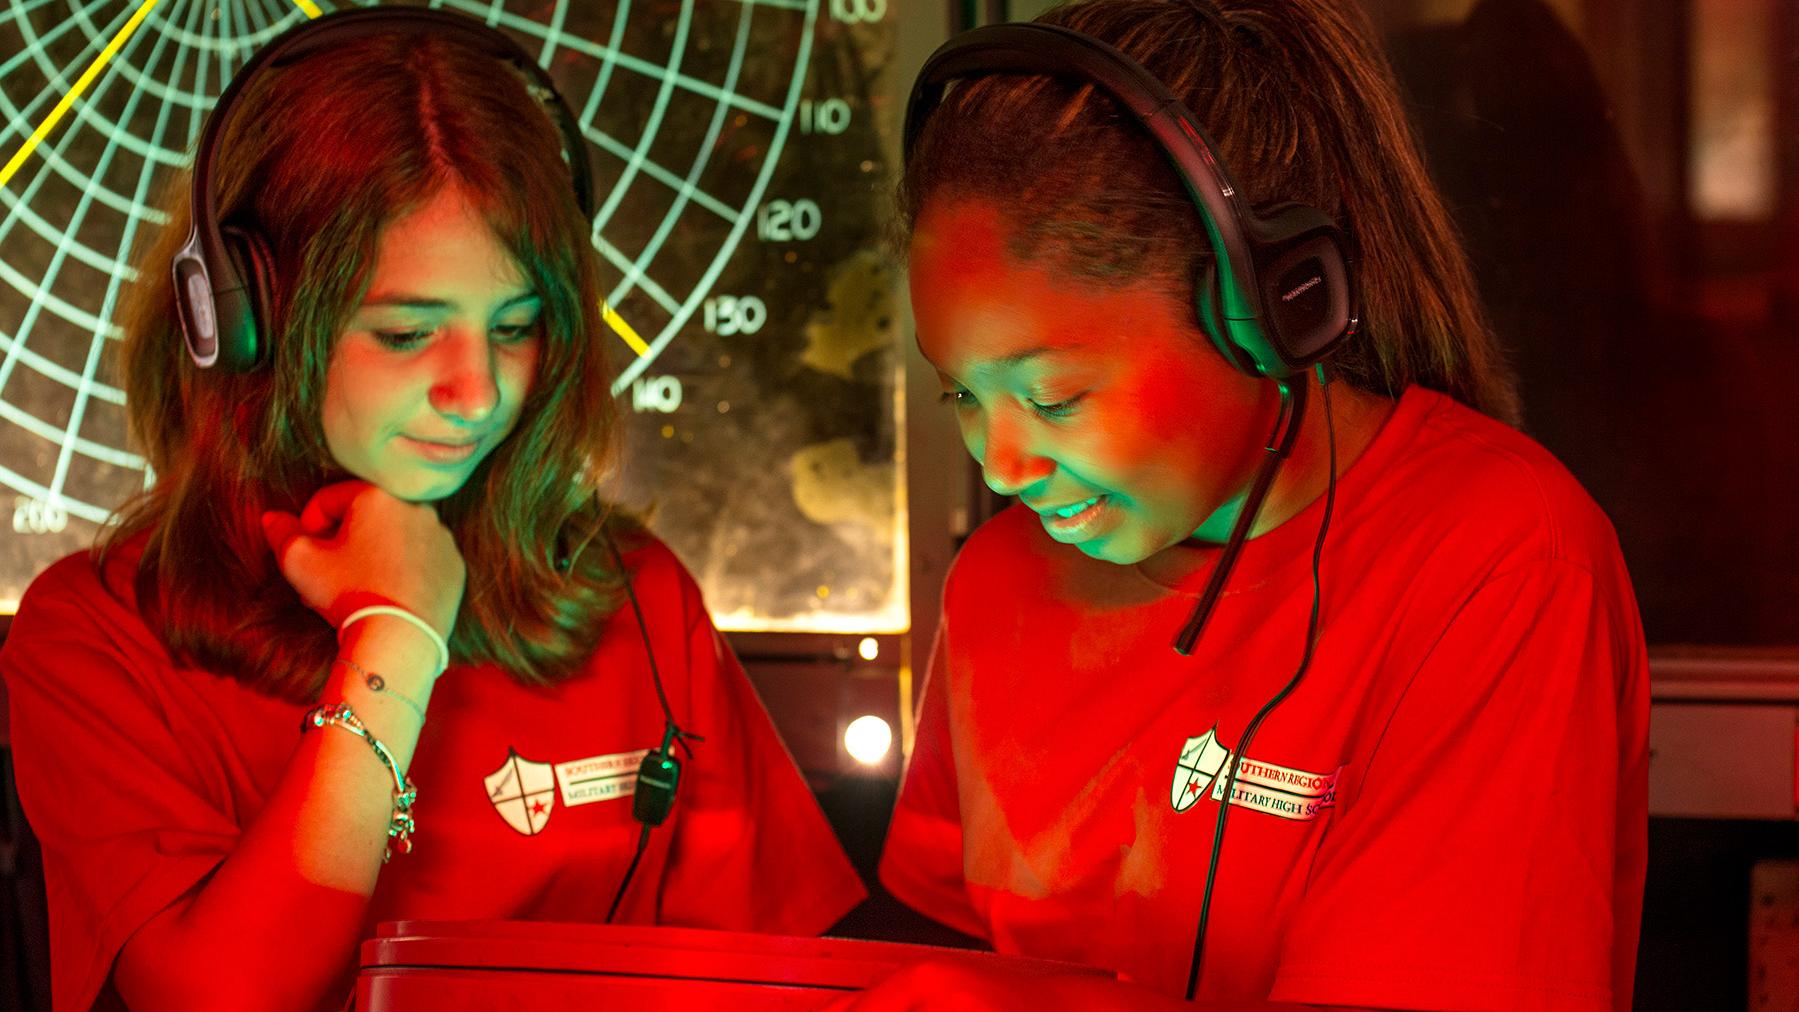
[657, 778]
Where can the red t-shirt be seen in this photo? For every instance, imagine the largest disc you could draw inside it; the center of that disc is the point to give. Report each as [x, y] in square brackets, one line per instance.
[1449, 812]
[139, 776]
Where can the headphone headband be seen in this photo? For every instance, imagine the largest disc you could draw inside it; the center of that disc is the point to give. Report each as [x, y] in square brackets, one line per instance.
[1263, 263]
[221, 309]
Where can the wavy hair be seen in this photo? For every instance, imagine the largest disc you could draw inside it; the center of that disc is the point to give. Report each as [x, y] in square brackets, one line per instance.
[318, 157]
[1303, 108]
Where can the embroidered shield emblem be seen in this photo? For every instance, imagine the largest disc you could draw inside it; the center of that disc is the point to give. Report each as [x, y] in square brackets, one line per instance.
[1201, 759]
[523, 792]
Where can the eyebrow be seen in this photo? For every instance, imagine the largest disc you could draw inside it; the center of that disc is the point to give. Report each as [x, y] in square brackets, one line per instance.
[1021, 356]
[1026, 354]
[405, 301]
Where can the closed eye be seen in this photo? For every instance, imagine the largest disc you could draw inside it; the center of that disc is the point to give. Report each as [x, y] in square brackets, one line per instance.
[1058, 409]
[406, 340]
[516, 332]
[402, 340]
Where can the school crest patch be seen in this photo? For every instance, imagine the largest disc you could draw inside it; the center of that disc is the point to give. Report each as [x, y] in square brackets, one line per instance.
[1201, 760]
[1280, 791]
[523, 793]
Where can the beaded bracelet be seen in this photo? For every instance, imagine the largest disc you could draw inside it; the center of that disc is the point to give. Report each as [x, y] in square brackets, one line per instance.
[401, 825]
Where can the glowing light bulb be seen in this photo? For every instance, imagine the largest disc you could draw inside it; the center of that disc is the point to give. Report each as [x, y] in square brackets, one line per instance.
[868, 648]
[867, 739]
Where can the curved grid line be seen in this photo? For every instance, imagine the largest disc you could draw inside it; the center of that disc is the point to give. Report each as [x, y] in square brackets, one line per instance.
[617, 258]
[67, 239]
[232, 50]
[65, 309]
[196, 118]
[50, 233]
[81, 111]
[22, 118]
[619, 149]
[18, 208]
[168, 92]
[639, 156]
[612, 54]
[607, 63]
[207, 41]
[252, 13]
[782, 118]
[795, 84]
[687, 189]
[43, 366]
[51, 434]
[22, 13]
[229, 43]
[31, 488]
[72, 441]
[557, 17]
[19, 10]
[94, 69]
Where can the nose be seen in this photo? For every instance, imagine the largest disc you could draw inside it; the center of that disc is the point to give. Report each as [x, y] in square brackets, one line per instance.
[466, 386]
[1009, 464]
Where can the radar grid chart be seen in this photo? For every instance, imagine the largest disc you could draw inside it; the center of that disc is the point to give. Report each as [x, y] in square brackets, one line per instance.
[686, 105]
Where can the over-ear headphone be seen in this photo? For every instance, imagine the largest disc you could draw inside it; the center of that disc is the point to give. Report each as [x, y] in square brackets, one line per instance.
[1280, 293]
[224, 273]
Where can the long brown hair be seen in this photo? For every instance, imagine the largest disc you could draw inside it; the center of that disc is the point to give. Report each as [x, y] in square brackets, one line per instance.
[318, 157]
[1303, 108]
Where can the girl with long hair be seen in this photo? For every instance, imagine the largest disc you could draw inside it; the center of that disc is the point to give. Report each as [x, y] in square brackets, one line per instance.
[234, 711]
[1401, 762]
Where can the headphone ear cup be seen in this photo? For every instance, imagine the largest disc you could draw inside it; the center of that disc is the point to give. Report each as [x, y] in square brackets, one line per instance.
[247, 314]
[1308, 298]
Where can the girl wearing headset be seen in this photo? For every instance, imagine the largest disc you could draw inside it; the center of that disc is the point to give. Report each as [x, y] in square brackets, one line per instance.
[408, 479]
[1448, 810]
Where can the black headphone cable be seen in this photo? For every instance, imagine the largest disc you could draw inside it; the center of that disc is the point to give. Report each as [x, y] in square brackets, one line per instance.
[1280, 443]
[660, 773]
[1305, 661]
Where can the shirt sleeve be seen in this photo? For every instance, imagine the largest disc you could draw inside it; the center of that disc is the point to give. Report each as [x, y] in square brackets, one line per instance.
[1478, 864]
[921, 862]
[125, 830]
[752, 850]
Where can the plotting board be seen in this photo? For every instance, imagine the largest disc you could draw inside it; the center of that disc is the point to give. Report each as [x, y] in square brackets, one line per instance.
[740, 186]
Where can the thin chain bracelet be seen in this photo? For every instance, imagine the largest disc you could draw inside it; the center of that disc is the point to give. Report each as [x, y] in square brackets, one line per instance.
[377, 684]
[401, 825]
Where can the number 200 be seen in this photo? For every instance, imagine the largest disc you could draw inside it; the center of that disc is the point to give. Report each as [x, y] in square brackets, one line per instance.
[34, 516]
[852, 12]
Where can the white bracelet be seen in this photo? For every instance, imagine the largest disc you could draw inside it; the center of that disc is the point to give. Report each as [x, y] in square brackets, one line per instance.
[437, 640]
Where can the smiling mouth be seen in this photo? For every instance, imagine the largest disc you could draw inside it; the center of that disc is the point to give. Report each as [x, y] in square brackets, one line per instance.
[1073, 509]
[1080, 521]
[442, 453]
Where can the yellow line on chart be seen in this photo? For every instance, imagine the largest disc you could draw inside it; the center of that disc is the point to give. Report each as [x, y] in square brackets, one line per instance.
[623, 329]
[311, 9]
[87, 78]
